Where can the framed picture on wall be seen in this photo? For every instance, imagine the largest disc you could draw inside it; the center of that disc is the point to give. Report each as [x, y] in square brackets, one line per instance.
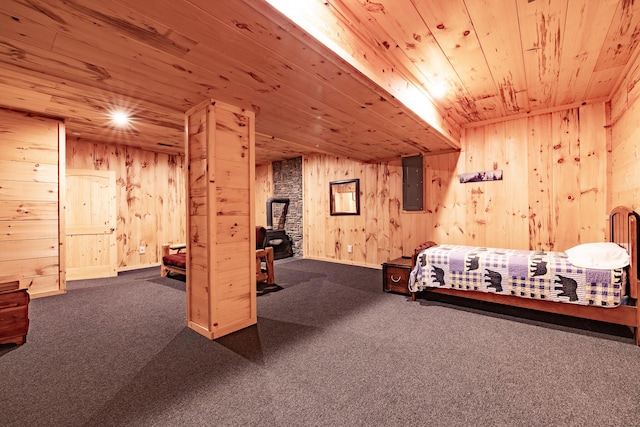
[344, 197]
[492, 175]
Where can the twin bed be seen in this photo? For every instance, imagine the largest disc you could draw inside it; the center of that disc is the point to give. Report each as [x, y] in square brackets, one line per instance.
[593, 281]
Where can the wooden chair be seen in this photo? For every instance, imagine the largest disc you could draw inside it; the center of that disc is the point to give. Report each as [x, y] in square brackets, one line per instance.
[174, 260]
[264, 266]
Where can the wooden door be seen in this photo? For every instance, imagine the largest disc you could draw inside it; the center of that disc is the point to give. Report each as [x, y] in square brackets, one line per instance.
[90, 224]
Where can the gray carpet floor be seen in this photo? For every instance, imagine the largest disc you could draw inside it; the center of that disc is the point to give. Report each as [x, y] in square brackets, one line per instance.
[330, 349]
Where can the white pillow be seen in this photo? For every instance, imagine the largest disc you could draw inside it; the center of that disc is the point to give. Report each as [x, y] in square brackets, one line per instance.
[601, 255]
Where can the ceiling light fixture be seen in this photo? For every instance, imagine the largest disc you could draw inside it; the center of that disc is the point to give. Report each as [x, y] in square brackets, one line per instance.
[438, 90]
[120, 118]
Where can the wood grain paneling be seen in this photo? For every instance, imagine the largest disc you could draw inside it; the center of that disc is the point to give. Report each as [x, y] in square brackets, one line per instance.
[263, 190]
[552, 195]
[150, 196]
[29, 194]
[552, 164]
[221, 281]
[625, 134]
[328, 237]
[367, 80]
[593, 181]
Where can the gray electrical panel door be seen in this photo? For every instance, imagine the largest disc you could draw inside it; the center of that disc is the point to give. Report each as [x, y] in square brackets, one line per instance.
[412, 184]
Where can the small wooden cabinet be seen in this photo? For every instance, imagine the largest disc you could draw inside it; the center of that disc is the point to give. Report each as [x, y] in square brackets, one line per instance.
[14, 317]
[395, 275]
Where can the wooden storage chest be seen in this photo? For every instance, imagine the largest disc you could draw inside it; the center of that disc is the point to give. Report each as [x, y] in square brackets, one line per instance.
[14, 316]
[395, 275]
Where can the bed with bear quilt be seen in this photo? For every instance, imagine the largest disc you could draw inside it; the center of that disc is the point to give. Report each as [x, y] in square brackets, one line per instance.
[598, 281]
[530, 274]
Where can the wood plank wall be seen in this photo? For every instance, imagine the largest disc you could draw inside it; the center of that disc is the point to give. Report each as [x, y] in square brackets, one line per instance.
[29, 209]
[150, 191]
[263, 190]
[625, 137]
[374, 233]
[552, 196]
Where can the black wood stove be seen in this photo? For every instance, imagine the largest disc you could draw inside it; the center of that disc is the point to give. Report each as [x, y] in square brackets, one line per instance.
[278, 238]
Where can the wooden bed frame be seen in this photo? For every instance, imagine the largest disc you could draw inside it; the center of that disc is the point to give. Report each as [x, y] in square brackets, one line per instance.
[624, 231]
[264, 263]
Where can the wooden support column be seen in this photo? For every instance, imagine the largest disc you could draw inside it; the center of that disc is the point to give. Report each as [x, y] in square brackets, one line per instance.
[221, 268]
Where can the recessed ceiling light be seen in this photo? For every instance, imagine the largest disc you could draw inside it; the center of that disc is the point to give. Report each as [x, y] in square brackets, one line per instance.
[120, 118]
[438, 90]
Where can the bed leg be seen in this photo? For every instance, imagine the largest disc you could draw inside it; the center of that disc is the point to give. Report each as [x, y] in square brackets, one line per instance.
[636, 328]
[413, 296]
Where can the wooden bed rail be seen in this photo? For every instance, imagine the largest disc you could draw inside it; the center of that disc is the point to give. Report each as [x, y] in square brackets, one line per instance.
[624, 231]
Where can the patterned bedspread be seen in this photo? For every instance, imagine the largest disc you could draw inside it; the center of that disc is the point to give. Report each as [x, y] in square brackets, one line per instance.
[528, 274]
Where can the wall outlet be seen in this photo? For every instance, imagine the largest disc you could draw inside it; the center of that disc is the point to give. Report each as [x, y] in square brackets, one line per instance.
[142, 250]
[350, 249]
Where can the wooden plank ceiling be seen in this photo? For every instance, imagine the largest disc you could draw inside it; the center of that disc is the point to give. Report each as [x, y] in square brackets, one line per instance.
[360, 79]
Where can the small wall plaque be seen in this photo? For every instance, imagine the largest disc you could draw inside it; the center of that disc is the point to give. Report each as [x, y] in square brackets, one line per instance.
[492, 175]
